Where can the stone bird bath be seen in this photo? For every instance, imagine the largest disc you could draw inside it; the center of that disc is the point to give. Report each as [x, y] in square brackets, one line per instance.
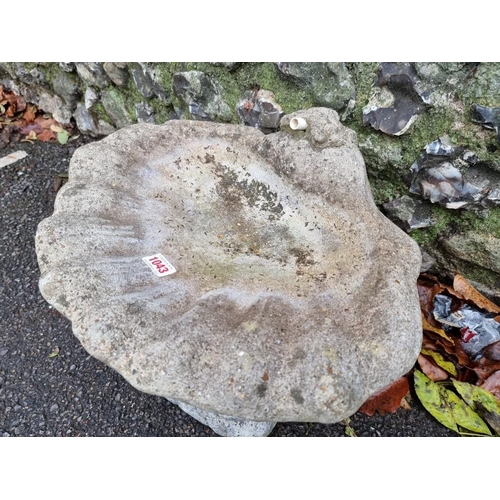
[249, 278]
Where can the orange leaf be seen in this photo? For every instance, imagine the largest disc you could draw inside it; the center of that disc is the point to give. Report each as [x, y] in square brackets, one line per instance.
[387, 400]
[45, 122]
[462, 286]
[29, 114]
[46, 135]
[434, 372]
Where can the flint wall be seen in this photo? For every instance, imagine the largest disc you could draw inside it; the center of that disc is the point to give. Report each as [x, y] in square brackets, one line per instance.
[397, 111]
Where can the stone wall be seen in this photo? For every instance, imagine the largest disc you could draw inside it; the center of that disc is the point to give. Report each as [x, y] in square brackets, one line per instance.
[429, 132]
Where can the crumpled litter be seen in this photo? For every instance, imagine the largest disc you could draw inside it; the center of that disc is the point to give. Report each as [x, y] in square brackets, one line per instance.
[478, 329]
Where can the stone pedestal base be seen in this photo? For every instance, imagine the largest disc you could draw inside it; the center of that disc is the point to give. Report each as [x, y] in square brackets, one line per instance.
[225, 425]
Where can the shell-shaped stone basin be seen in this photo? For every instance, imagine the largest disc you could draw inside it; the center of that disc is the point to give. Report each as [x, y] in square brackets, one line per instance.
[294, 298]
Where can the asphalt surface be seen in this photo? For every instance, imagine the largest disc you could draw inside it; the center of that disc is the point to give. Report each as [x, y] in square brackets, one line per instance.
[70, 393]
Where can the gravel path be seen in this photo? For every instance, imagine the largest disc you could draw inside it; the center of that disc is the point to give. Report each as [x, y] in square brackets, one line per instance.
[72, 394]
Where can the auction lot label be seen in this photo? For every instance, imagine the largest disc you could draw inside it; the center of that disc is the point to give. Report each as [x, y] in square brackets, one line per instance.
[159, 265]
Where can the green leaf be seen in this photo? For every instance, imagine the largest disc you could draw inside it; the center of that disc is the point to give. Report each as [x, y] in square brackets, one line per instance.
[482, 401]
[440, 361]
[62, 136]
[446, 407]
[464, 415]
[430, 395]
[54, 353]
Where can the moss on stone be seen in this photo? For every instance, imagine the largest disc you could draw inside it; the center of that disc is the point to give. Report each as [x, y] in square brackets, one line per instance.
[384, 190]
[28, 66]
[483, 87]
[131, 97]
[100, 113]
[364, 76]
[479, 274]
[161, 109]
[51, 70]
[428, 237]
[237, 81]
[451, 221]
[489, 225]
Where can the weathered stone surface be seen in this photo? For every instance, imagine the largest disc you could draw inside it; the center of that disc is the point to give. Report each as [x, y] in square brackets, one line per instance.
[114, 105]
[294, 297]
[105, 128]
[54, 105]
[93, 74]
[202, 95]
[91, 97]
[330, 83]
[488, 117]
[463, 101]
[67, 88]
[439, 73]
[68, 67]
[396, 101]
[145, 85]
[484, 87]
[409, 213]
[230, 66]
[259, 109]
[144, 113]
[33, 76]
[225, 425]
[117, 73]
[452, 176]
[85, 121]
[479, 249]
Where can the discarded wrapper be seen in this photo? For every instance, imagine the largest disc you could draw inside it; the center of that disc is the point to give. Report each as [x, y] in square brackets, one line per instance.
[478, 329]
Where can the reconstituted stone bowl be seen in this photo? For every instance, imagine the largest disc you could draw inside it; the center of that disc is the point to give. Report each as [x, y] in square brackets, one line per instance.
[243, 274]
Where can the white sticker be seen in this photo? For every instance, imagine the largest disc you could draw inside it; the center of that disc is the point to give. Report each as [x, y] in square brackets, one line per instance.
[159, 265]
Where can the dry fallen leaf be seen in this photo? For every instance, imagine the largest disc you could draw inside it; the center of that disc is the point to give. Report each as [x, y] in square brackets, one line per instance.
[440, 361]
[461, 285]
[434, 372]
[388, 400]
[46, 135]
[29, 114]
[492, 384]
[430, 328]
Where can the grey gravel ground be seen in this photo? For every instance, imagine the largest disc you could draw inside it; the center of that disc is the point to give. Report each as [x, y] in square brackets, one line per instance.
[72, 394]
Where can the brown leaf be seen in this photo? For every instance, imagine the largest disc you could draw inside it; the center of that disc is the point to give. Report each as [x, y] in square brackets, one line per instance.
[492, 384]
[434, 372]
[46, 135]
[45, 122]
[489, 363]
[29, 114]
[462, 286]
[492, 352]
[32, 127]
[387, 400]
[13, 103]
